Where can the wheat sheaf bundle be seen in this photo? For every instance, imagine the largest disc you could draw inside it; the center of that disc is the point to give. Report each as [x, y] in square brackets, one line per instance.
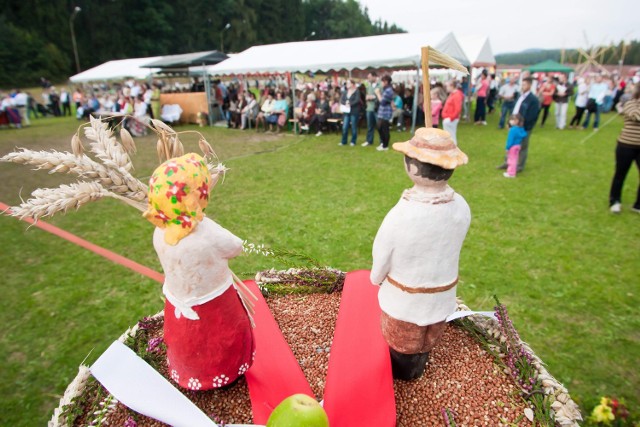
[108, 173]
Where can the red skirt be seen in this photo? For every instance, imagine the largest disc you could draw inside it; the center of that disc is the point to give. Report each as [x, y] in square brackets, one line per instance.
[213, 351]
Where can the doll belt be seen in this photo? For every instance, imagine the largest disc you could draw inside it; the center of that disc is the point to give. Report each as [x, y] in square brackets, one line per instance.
[422, 290]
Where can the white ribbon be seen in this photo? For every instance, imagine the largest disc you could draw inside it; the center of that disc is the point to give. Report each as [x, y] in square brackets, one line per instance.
[461, 314]
[140, 387]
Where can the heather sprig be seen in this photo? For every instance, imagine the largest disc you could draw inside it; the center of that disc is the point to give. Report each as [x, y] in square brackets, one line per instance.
[519, 360]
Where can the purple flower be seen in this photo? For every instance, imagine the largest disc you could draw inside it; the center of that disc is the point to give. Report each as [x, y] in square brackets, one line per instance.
[145, 323]
[153, 344]
[130, 423]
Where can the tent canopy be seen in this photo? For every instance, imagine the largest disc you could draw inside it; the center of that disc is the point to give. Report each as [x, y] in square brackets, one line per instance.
[117, 70]
[477, 49]
[549, 66]
[186, 60]
[386, 51]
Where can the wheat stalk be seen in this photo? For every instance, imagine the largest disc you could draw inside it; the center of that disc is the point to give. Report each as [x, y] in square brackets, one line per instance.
[110, 175]
[106, 147]
[82, 165]
[49, 201]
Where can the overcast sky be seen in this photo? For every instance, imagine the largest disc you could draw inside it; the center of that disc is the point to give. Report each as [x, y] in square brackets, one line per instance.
[518, 25]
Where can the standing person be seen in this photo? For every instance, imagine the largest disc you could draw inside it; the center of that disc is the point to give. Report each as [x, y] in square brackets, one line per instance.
[528, 106]
[581, 102]
[627, 151]
[155, 100]
[371, 98]
[464, 87]
[595, 101]
[514, 144]
[54, 102]
[546, 93]
[147, 96]
[21, 101]
[564, 91]
[78, 98]
[452, 110]
[65, 100]
[508, 96]
[385, 97]
[482, 89]
[350, 105]
[436, 106]
[493, 92]
[31, 106]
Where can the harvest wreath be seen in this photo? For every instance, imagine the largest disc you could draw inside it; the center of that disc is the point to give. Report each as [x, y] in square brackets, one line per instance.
[470, 379]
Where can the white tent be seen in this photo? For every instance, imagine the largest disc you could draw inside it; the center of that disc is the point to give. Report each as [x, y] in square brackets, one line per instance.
[477, 50]
[391, 50]
[117, 70]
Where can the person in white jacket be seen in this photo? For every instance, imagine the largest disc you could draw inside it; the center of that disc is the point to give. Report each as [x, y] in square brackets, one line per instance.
[416, 252]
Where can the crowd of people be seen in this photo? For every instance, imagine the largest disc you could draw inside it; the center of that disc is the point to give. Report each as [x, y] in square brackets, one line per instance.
[376, 103]
[595, 94]
[141, 101]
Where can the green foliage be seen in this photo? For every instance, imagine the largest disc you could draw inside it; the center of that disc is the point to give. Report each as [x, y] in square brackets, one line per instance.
[26, 56]
[35, 36]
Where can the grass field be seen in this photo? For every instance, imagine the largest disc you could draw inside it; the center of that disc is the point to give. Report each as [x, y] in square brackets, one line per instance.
[545, 243]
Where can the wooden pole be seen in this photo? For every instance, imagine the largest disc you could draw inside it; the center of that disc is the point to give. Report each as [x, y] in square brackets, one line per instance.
[426, 88]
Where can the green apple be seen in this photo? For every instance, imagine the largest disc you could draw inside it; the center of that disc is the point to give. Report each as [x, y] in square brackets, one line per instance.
[298, 410]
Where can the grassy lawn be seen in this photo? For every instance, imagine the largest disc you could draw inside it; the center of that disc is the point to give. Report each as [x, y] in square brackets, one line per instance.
[545, 243]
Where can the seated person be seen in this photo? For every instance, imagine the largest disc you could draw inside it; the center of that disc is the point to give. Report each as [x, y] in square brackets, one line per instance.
[323, 111]
[265, 111]
[236, 104]
[335, 106]
[299, 106]
[249, 111]
[91, 106]
[397, 106]
[137, 124]
[11, 113]
[308, 112]
[279, 113]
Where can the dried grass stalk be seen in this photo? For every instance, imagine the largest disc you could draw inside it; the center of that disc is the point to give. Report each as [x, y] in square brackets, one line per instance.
[127, 141]
[76, 145]
[161, 126]
[205, 147]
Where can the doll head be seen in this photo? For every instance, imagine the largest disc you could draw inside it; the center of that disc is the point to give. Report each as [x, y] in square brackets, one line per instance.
[178, 195]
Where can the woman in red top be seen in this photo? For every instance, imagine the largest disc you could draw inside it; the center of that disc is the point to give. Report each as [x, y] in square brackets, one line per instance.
[452, 109]
[482, 90]
[546, 94]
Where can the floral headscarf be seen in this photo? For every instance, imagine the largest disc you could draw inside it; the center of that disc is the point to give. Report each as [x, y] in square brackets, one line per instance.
[178, 195]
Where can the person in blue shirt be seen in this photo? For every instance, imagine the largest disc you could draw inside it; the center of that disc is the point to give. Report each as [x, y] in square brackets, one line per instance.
[596, 95]
[514, 141]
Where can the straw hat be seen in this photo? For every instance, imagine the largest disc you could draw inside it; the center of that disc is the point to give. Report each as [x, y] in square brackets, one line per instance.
[434, 146]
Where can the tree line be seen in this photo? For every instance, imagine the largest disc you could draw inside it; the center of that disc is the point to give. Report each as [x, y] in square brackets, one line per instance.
[611, 56]
[35, 35]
